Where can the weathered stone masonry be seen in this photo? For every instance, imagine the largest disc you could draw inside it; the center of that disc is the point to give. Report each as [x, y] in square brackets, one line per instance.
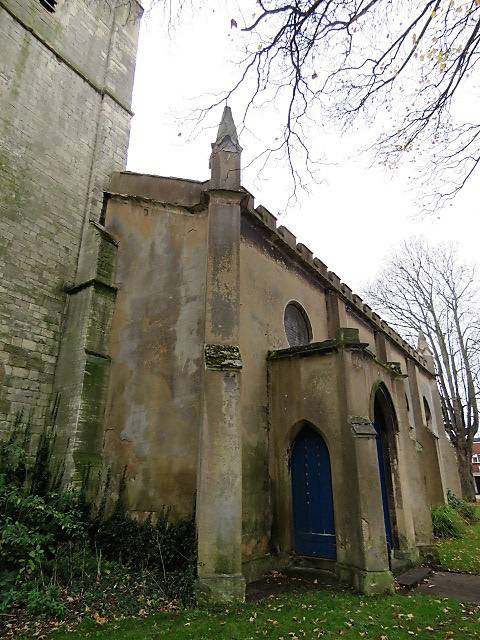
[65, 92]
[205, 394]
[156, 321]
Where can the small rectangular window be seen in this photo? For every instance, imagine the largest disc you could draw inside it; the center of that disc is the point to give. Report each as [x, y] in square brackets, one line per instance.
[476, 458]
[49, 5]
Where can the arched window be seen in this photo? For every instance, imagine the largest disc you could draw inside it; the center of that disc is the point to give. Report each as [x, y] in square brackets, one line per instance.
[297, 326]
[428, 413]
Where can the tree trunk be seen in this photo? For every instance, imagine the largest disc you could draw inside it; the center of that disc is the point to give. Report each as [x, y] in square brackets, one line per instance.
[464, 458]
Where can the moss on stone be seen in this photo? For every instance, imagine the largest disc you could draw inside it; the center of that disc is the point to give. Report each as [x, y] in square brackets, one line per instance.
[222, 356]
[345, 335]
[21, 63]
[24, 358]
[91, 408]
[371, 583]
[5, 406]
[256, 492]
[99, 319]
[220, 589]
[106, 259]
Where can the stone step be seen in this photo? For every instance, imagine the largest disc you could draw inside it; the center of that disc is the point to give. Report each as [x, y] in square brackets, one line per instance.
[400, 566]
[317, 563]
[411, 578]
[312, 574]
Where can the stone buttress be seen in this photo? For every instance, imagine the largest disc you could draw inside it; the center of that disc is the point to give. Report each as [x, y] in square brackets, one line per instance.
[219, 490]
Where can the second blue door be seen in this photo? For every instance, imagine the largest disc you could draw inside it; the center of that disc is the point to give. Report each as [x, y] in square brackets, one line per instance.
[314, 524]
[383, 480]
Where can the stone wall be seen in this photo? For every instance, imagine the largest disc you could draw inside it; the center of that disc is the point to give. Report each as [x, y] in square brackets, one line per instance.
[273, 274]
[269, 280]
[160, 223]
[65, 88]
[153, 407]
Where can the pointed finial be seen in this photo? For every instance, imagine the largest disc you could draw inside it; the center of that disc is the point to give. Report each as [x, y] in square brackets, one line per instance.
[227, 138]
[422, 344]
[225, 158]
[424, 350]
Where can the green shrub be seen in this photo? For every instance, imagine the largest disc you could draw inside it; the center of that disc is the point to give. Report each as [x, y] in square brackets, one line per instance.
[166, 549]
[447, 522]
[51, 545]
[35, 525]
[36, 599]
[466, 510]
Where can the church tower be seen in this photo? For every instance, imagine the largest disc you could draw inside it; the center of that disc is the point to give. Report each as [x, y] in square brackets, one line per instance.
[66, 78]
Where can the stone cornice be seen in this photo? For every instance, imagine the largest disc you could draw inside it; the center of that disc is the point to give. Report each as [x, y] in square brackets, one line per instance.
[345, 339]
[93, 282]
[201, 207]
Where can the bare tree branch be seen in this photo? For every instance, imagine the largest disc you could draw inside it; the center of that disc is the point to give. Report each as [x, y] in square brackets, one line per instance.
[424, 287]
[332, 61]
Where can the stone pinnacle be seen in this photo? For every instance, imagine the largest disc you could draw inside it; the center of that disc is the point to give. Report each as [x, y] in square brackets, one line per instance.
[227, 133]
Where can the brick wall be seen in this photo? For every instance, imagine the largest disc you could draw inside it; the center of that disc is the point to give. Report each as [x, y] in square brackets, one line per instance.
[476, 450]
[65, 89]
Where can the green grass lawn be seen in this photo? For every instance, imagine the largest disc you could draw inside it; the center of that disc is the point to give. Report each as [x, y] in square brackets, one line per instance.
[462, 554]
[312, 615]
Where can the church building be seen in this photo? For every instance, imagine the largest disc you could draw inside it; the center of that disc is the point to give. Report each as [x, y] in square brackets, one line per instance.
[194, 345]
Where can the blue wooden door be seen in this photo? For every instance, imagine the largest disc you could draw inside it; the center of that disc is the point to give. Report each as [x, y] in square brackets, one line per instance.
[383, 482]
[314, 525]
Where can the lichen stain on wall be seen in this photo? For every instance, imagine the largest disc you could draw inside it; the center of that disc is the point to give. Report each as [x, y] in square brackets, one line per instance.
[156, 349]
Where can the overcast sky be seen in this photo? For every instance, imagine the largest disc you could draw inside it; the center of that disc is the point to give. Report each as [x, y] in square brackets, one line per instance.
[352, 220]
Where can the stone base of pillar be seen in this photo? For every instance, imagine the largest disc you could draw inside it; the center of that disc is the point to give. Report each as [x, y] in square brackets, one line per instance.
[410, 553]
[255, 569]
[428, 554]
[219, 589]
[368, 582]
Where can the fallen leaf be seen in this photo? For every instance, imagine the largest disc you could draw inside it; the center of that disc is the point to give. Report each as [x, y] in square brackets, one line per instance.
[98, 618]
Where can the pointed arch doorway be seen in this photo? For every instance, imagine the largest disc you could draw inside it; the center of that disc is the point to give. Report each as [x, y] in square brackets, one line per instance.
[384, 423]
[312, 496]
